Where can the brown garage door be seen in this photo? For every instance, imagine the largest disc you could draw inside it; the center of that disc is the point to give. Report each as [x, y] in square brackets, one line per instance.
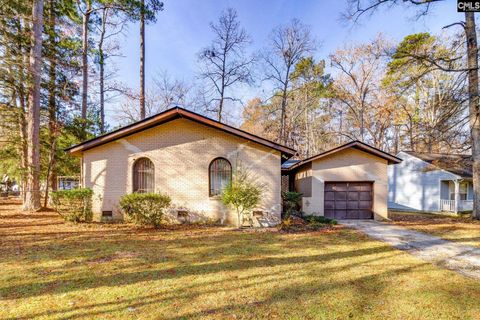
[348, 200]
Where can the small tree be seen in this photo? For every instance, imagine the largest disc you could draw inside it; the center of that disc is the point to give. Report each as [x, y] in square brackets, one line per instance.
[290, 202]
[243, 194]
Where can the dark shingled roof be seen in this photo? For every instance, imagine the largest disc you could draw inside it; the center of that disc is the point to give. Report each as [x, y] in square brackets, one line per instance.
[459, 164]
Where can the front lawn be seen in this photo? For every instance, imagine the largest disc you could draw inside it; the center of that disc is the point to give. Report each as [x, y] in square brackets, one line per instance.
[54, 270]
[461, 229]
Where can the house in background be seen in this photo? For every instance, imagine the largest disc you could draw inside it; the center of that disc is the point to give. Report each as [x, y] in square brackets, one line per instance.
[346, 182]
[431, 182]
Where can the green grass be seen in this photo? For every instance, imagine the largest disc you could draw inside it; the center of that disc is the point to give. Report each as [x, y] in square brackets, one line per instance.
[52, 270]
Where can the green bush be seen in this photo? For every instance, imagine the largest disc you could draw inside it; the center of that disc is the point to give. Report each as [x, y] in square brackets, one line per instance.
[290, 202]
[320, 220]
[145, 208]
[243, 194]
[74, 205]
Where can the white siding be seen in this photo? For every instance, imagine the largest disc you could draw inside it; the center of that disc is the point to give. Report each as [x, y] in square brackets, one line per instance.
[414, 184]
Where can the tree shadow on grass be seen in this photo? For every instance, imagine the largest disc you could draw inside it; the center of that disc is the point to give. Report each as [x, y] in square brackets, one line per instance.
[212, 287]
[59, 286]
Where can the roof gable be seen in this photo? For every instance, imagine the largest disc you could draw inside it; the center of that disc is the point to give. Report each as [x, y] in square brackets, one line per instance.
[457, 164]
[354, 145]
[169, 115]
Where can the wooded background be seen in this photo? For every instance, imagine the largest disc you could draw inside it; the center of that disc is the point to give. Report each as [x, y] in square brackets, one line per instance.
[419, 94]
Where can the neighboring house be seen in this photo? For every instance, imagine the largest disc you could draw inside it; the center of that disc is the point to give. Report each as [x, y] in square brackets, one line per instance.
[182, 154]
[431, 182]
[347, 182]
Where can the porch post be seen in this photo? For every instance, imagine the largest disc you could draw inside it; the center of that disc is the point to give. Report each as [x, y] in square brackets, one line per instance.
[457, 196]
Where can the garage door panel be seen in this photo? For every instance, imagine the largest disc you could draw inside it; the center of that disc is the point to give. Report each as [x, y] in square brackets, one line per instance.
[365, 204]
[352, 214]
[365, 214]
[348, 200]
[352, 205]
[340, 204]
[342, 196]
[340, 187]
[329, 205]
[330, 187]
[340, 214]
[365, 195]
[352, 196]
[329, 213]
[366, 187]
[329, 195]
[355, 187]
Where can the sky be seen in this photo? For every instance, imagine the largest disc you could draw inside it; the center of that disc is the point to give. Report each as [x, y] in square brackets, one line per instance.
[182, 29]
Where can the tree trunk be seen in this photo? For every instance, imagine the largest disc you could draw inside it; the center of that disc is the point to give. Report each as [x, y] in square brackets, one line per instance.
[86, 19]
[32, 196]
[142, 61]
[23, 125]
[283, 120]
[52, 107]
[307, 130]
[362, 125]
[473, 105]
[101, 62]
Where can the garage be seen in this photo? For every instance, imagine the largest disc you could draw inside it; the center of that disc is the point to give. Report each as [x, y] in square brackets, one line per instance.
[348, 200]
[346, 182]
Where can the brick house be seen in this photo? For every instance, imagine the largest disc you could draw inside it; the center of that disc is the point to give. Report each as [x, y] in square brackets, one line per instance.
[191, 158]
[182, 154]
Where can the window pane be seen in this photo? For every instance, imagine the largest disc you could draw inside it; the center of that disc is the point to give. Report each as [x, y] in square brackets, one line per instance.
[220, 175]
[463, 187]
[143, 176]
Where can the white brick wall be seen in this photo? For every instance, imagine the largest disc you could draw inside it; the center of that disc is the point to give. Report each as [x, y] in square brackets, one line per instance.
[181, 151]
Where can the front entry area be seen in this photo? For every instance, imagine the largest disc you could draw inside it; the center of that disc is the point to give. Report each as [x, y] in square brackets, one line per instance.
[348, 200]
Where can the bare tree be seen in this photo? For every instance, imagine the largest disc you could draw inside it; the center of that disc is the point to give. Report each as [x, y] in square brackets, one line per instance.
[358, 8]
[85, 23]
[32, 196]
[148, 11]
[163, 94]
[142, 60]
[224, 62]
[473, 104]
[357, 85]
[288, 44]
[111, 25]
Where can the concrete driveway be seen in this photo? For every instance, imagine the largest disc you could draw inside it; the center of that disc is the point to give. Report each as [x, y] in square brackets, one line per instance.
[447, 254]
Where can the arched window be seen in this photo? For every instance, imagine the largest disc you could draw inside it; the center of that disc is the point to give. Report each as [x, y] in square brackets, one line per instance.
[143, 176]
[220, 173]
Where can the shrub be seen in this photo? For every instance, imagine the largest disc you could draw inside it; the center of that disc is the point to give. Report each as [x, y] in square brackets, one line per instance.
[320, 220]
[74, 205]
[145, 208]
[243, 194]
[310, 223]
[290, 202]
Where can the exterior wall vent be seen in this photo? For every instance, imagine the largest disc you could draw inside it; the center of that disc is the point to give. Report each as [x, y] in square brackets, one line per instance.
[107, 214]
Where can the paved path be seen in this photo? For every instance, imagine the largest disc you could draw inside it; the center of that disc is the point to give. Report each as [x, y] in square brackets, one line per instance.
[450, 255]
